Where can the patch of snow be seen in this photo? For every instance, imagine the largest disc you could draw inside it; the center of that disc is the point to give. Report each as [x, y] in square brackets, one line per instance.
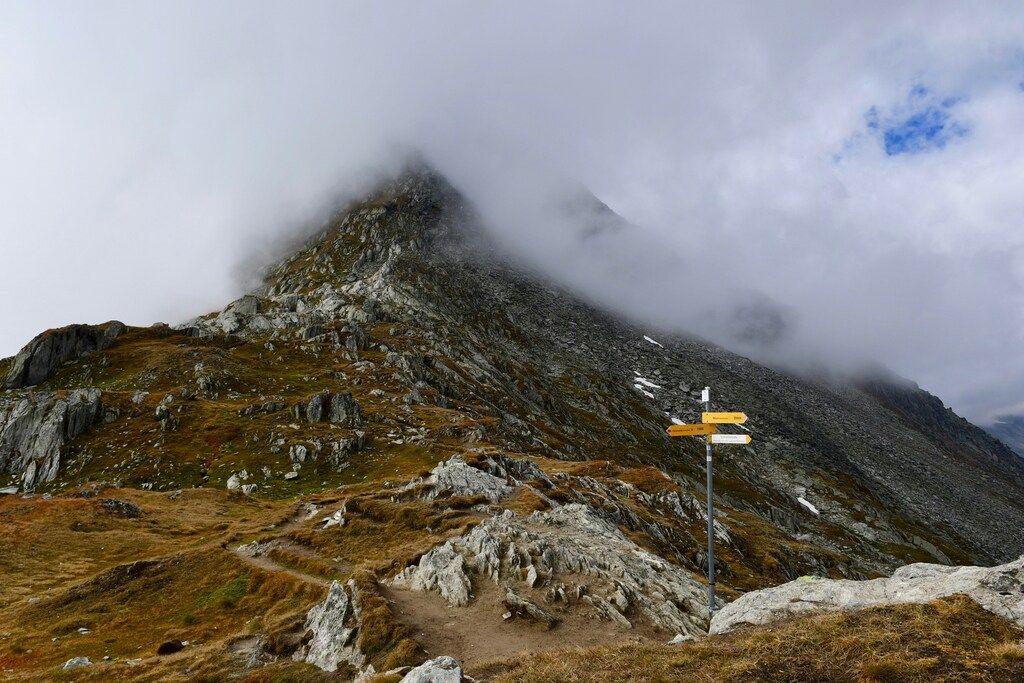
[640, 388]
[807, 504]
[648, 383]
[646, 338]
[677, 421]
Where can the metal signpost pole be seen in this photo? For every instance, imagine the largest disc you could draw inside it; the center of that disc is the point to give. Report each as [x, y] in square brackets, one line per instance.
[711, 517]
[708, 428]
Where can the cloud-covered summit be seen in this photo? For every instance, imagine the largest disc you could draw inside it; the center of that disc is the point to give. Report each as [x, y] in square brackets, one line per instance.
[858, 166]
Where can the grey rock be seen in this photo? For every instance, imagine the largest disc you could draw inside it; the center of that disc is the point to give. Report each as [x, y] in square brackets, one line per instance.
[34, 428]
[998, 589]
[455, 478]
[267, 407]
[334, 628]
[438, 670]
[344, 410]
[41, 357]
[76, 662]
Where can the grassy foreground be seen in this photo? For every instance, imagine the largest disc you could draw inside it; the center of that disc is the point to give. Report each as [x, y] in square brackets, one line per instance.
[948, 640]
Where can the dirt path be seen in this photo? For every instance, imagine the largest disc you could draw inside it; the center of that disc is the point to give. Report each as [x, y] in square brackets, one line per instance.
[269, 564]
[257, 554]
[478, 632]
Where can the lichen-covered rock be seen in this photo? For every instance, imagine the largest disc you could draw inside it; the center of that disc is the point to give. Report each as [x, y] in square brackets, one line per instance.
[998, 589]
[334, 627]
[41, 357]
[570, 541]
[437, 670]
[34, 428]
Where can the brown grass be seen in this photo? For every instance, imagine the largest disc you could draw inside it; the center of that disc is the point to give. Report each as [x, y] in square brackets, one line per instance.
[945, 641]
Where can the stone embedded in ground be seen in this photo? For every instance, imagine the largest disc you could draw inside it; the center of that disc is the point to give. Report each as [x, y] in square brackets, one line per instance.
[169, 647]
[998, 589]
[76, 662]
[438, 670]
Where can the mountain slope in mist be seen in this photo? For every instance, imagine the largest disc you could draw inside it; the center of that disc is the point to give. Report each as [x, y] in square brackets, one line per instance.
[407, 437]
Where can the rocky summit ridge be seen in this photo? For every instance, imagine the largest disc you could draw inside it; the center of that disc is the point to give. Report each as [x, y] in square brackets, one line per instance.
[402, 428]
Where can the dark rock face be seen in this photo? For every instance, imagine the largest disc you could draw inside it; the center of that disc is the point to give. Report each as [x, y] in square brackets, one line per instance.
[339, 408]
[33, 430]
[41, 357]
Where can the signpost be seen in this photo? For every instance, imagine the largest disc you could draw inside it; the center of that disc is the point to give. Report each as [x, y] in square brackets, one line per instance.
[692, 430]
[708, 430]
[723, 418]
[730, 438]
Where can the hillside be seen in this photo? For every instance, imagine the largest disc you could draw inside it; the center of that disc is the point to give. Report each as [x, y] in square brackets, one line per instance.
[455, 455]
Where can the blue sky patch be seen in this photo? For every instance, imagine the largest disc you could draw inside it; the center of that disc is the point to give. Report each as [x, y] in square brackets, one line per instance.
[924, 123]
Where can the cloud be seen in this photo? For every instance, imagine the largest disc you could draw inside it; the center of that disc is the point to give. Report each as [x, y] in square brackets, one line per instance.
[152, 151]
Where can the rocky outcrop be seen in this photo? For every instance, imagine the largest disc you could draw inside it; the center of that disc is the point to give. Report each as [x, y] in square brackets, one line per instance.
[999, 589]
[333, 626]
[437, 670]
[575, 556]
[34, 428]
[455, 478]
[339, 408]
[41, 357]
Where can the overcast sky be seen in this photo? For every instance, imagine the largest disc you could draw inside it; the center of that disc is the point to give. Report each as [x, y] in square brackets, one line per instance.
[861, 165]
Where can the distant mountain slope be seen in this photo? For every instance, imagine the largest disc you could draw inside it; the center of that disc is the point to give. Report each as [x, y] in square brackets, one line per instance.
[1010, 430]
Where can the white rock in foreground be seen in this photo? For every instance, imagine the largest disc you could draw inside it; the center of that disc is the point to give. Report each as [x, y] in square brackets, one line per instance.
[1000, 590]
[438, 670]
[334, 625]
[76, 662]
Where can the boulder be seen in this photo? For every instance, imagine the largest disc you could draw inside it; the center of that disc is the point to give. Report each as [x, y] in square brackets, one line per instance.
[41, 357]
[456, 478]
[998, 589]
[333, 627]
[339, 408]
[34, 428]
[76, 662]
[437, 670]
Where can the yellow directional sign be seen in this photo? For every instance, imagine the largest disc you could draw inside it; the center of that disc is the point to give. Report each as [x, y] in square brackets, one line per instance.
[691, 430]
[724, 418]
[730, 438]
